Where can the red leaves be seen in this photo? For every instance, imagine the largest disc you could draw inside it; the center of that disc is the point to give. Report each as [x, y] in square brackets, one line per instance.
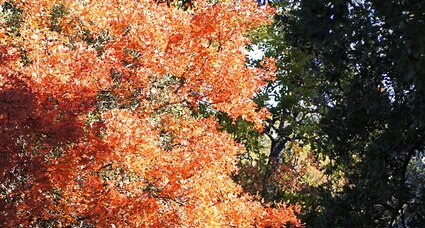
[144, 159]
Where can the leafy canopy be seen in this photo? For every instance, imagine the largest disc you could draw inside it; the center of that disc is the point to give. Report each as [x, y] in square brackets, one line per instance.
[98, 103]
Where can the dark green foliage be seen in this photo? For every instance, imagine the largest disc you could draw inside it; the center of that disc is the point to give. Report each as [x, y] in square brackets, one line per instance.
[58, 11]
[253, 163]
[243, 131]
[12, 18]
[359, 65]
[296, 102]
[350, 83]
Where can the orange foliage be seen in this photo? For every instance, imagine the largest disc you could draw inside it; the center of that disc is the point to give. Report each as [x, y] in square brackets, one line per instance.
[145, 160]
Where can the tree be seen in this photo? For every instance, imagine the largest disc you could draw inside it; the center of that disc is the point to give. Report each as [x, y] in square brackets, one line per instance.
[98, 114]
[359, 70]
[349, 86]
[296, 103]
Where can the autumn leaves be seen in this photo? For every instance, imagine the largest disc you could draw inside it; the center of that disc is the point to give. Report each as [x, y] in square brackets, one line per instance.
[129, 163]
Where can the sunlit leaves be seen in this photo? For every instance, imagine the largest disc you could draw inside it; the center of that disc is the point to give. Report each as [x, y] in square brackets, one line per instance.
[99, 123]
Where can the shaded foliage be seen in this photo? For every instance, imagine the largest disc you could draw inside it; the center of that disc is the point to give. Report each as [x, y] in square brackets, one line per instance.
[356, 69]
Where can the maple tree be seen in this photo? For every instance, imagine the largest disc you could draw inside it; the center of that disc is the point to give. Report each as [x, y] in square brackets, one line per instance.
[98, 113]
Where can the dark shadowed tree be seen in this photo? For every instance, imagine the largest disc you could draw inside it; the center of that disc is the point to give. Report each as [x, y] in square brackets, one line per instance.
[366, 62]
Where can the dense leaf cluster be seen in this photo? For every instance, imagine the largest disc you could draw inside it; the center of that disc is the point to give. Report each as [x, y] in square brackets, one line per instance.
[101, 118]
